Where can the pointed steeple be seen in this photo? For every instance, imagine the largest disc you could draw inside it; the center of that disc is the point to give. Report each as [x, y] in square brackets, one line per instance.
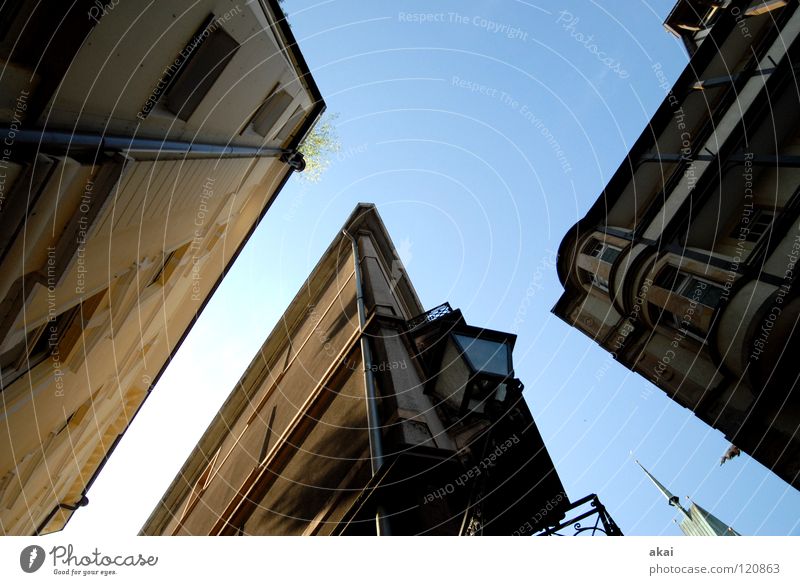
[696, 521]
[672, 500]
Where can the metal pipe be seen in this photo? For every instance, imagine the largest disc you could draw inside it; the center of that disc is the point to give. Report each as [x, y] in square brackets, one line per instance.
[70, 140]
[84, 501]
[373, 416]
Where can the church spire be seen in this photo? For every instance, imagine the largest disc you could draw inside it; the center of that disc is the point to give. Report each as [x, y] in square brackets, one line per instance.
[696, 521]
[671, 499]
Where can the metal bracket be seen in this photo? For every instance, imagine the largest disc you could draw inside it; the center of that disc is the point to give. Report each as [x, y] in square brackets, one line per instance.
[295, 160]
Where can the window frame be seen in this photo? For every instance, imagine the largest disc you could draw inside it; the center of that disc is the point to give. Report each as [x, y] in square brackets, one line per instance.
[268, 105]
[206, 77]
[663, 315]
[759, 212]
[598, 249]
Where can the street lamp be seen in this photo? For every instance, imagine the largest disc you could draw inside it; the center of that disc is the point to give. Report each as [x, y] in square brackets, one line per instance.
[470, 368]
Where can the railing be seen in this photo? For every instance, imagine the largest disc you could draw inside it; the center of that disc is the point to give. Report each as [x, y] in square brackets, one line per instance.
[427, 317]
[604, 523]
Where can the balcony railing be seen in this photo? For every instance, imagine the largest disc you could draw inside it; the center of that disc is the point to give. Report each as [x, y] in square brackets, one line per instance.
[603, 524]
[428, 316]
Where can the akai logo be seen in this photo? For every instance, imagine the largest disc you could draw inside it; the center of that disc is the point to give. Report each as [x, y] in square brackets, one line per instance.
[31, 558]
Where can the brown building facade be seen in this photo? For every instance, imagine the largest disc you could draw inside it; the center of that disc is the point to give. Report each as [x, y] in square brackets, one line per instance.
[140, 150]
[364, 414]
[685, 267]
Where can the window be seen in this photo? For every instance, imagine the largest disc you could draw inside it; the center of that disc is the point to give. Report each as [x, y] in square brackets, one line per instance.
[198, 489]
[609, 253]
[203, 60]
[688, 286]
[57, 336]
[266, 117]
[24, 356]
[164, 271]
[594, 279]
[605, 253]
[594, 248]
[290, 125]
[25, 191]
[485, 355]
[753, 227]
[599, 282]
[98, 191]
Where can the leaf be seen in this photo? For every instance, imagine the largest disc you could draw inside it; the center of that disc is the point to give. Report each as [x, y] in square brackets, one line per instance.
[317, 147]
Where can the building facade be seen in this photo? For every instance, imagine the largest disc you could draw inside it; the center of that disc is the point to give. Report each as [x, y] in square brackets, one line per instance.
[363, 414]
[139, 151]
[685, 267]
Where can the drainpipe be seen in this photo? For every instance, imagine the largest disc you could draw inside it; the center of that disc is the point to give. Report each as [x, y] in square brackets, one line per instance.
[84, 501]
[373, 416]
[54, 139]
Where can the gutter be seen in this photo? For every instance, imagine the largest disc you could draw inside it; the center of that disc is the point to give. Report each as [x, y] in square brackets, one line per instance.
[373, 415]
[58, 140]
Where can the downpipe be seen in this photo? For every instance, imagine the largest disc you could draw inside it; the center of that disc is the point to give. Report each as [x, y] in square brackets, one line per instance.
[373, 415]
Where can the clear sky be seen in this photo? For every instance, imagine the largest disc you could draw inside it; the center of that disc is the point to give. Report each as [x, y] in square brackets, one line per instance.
[482, 130]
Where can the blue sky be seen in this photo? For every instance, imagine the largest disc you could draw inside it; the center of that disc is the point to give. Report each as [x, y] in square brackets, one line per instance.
[482, 130]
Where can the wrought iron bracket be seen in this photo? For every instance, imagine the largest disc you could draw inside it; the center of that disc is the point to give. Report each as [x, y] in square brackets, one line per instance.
[603, 523]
